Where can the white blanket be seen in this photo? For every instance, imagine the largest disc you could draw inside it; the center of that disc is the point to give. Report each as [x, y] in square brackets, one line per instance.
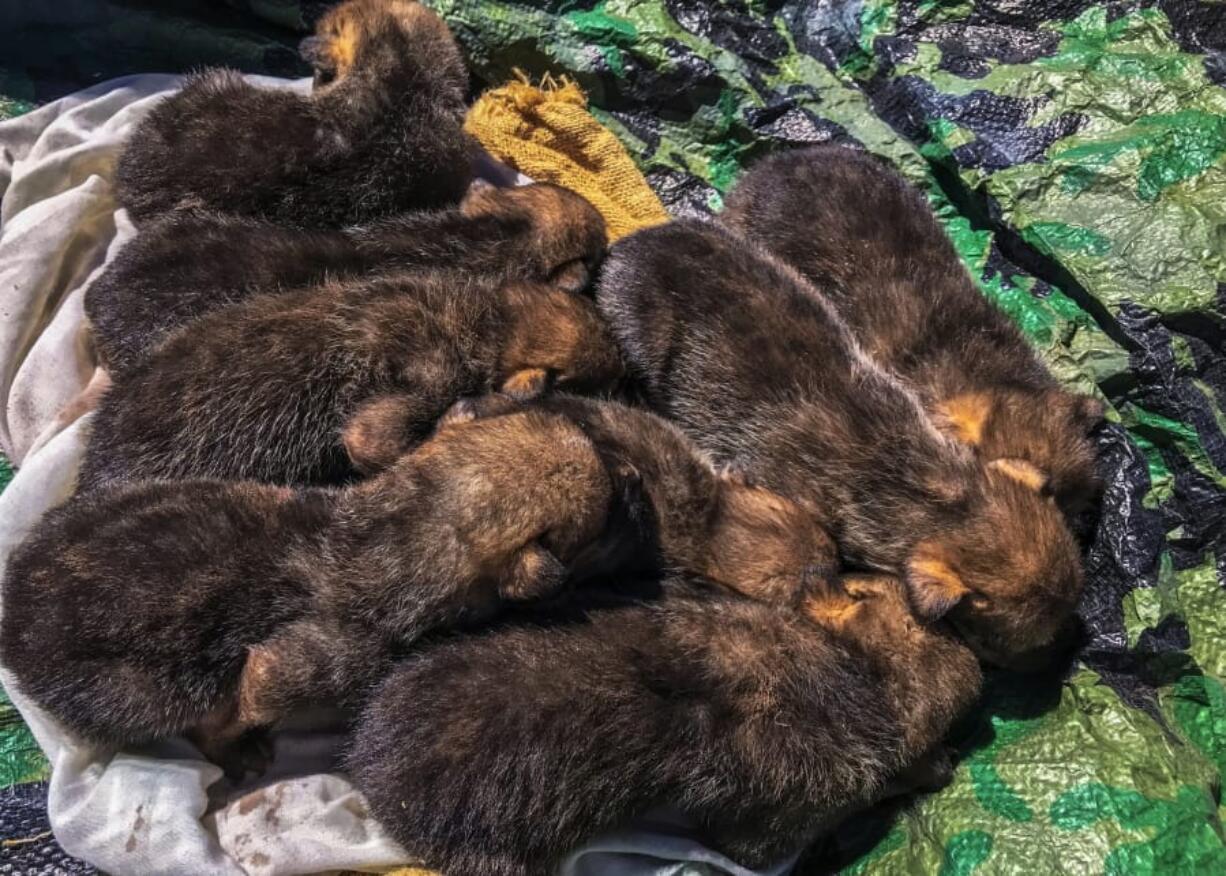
[162, 809]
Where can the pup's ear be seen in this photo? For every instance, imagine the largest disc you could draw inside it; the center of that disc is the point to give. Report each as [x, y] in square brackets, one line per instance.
[964, 416]
[526, 383]
[1087, 411]
[313, 50]
[572, 276]
[481, 198]
[1025, 473]
[932, 584]
[376, 435]
[494, 404]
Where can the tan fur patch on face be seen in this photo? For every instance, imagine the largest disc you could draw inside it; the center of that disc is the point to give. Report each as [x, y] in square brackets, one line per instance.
[547, 333]
[528, 383]
[259, 673]
[966, 415]
[938, 575]
[934, 585]
[343, 44]
[862, 586]
[830, 613]
[1025, 473]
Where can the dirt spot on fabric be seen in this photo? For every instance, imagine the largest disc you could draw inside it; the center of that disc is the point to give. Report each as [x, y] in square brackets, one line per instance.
[271, 817]
[251, 801]
[137, 826]
[355, 805]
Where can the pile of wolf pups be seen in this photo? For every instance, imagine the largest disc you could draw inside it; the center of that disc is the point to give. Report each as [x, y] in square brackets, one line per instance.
[730, 533]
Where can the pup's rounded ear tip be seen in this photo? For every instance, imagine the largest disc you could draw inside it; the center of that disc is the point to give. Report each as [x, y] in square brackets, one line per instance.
[933, 587]
[310, 47]
[734, 475]
[1093, 409]
[1023, 471]
[1089, 410]
[627, 473]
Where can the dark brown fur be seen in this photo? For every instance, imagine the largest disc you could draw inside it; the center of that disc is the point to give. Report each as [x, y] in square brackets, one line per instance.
[381, 133]
[747, 357]
[678, 514]
[187, 264]
[496, 755]
[871, 242]
[261, 390]
[145, 610]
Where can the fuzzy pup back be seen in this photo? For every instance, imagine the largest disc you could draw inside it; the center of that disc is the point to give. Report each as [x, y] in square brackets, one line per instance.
[679, 514]
[872, 243]
[190, 263]
[381, 133]
[262, 390]
[127, 614]
[758, 368]
[496, 755]
[151, 609]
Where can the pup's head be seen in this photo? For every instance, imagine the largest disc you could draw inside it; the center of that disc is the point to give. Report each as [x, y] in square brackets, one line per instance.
[930, 675]
[875, 607]
[767, 546]
[370, 33]
[1008, 578]
[568, 234]
[501, 467]
[522, 494]
[1042, 439]
[555, 337]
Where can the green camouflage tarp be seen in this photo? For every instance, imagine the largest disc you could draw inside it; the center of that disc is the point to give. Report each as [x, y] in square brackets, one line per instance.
[1077, 153]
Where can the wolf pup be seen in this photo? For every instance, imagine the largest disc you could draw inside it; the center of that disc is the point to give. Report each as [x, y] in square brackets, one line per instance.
[261, 390]
[157, 608]
[189, 263]
[764, 725]
[678, 514]
[381, 133]
[872, 244]
[748, 359]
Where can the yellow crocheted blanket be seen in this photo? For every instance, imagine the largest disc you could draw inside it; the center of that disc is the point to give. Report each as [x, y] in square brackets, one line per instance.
[546, 132]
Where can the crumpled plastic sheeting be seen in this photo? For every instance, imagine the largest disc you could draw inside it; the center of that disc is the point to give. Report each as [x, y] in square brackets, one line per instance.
[1077, 154]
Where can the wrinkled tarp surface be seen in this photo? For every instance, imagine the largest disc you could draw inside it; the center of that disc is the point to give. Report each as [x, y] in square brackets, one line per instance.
[1077, 153]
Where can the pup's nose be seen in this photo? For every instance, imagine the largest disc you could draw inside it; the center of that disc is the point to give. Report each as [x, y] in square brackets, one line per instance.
[311, 49]
[1050, 656]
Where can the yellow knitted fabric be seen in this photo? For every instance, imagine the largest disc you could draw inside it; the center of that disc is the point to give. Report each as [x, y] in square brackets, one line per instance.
[547, 133]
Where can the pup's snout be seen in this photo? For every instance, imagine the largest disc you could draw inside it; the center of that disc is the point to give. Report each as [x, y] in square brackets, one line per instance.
[311, 49]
